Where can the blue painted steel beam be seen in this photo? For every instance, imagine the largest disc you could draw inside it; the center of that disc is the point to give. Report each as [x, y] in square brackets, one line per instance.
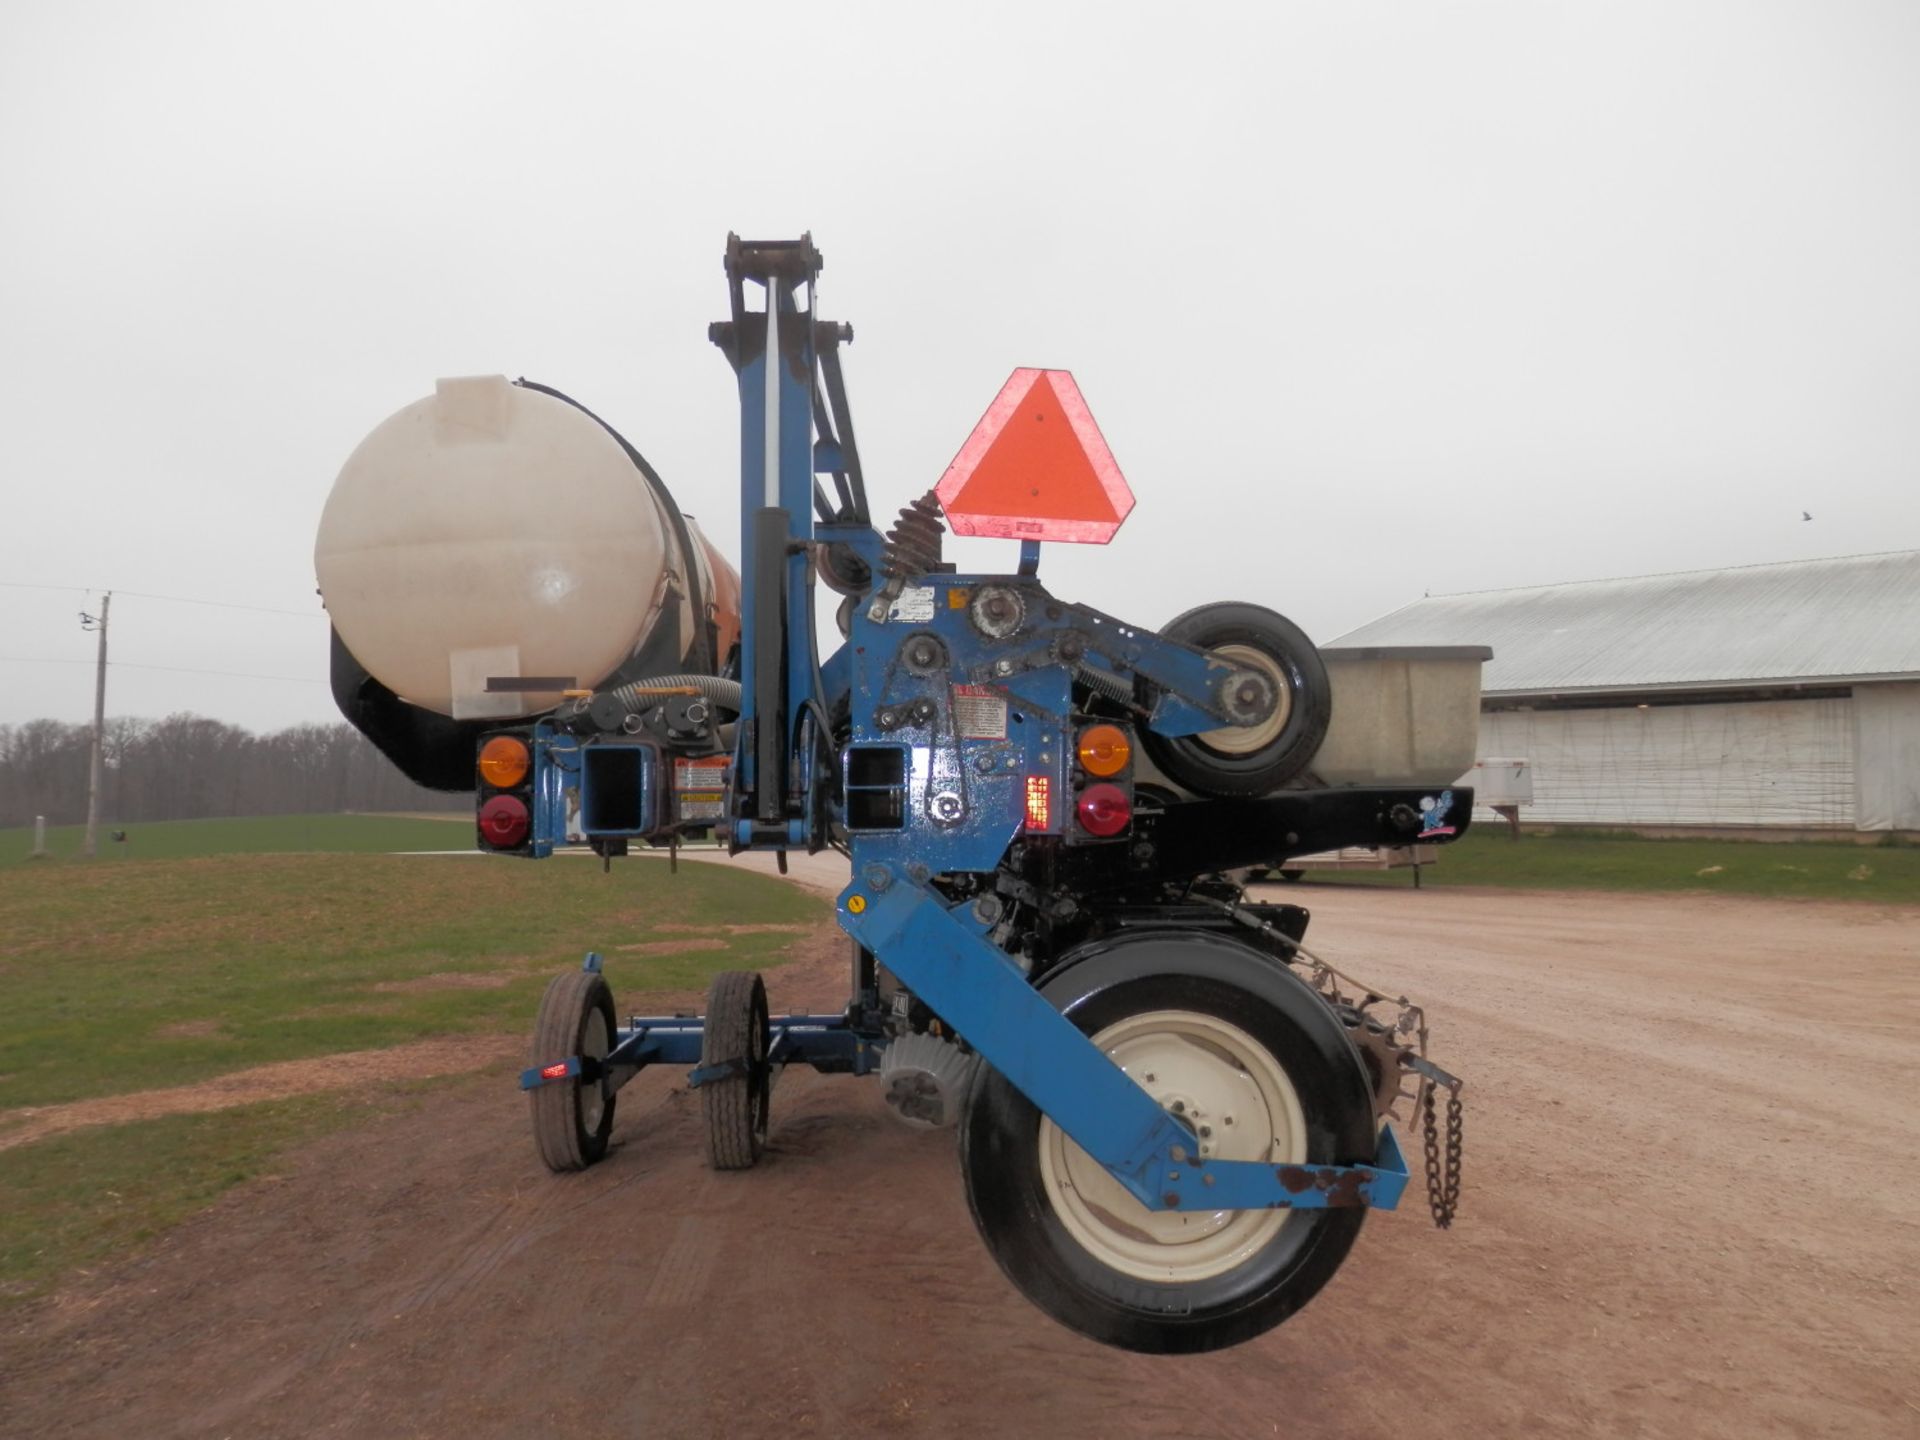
[676, 1039]
[943, 956]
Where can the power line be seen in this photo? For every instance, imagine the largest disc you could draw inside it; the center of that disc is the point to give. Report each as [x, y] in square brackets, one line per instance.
[171, 599]
[174, 669]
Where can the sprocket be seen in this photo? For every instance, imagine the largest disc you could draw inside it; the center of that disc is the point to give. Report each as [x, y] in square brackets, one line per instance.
[1381, 1049]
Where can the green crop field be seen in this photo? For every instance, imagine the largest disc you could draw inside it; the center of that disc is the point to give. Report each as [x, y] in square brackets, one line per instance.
[136, 975]
[1487, 855]
[252, 835]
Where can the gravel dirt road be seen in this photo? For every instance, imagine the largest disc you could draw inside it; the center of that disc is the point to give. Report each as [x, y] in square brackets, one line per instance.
[1692, 1208]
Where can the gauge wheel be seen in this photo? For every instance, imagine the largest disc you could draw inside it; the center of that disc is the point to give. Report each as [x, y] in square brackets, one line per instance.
[736, 1104]
[572, 1118]
[1258, 1067]
[1239, 760]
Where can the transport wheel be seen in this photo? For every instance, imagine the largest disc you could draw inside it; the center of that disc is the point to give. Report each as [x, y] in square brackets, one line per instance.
[572, 1119]
[1257, 1066]
[1293, 877]
[736, 1033]
[1239, 760]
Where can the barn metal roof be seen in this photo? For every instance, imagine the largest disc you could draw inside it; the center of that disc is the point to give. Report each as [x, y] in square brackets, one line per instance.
[1855, 617]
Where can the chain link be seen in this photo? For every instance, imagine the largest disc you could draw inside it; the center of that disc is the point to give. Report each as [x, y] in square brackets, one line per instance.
[1443, 1182]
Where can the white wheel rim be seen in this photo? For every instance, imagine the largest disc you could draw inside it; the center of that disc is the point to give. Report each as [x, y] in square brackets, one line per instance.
[594, 1044]
[1241, 1105]
[1246, 739]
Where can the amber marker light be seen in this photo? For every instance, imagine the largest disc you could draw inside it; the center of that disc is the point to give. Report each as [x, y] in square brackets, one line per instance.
[1104, 750]
[503, 761]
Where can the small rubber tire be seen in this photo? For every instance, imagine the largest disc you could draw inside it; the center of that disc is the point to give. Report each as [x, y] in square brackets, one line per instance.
[1001, 1143]
[736, 1032]
[1293, 662]
[572, 1120]
[1292, 877]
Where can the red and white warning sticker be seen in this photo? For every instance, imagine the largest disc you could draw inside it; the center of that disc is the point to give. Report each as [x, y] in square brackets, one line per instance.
[700, 787]
[979, 713]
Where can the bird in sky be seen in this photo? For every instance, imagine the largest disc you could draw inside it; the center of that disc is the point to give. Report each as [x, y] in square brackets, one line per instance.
[1805, 516]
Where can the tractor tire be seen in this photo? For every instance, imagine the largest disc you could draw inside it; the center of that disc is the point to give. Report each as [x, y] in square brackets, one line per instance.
[572, 1119]
[1251, 1054]
[1236, 761]
[736, 1105]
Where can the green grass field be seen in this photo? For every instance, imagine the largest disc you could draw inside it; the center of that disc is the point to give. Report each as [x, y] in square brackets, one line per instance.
[132, 975]
[255, 835]
[1486, 855]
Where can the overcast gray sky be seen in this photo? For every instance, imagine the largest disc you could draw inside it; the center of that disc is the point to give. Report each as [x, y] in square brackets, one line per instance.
[1369, 299]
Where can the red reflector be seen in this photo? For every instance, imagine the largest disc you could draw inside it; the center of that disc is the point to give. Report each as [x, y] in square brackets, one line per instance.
[1039, 802]
[503, 821]
[554, 1072]
[1104, 809]
[1036, 467]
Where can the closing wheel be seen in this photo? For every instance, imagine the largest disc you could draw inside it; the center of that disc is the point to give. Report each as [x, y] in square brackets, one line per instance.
[1239, 760]
[1257, 1067]
[736, 1035]
[571, 1118]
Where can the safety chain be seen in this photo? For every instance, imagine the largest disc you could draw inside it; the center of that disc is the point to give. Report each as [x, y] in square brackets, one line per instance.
[1443, 1188]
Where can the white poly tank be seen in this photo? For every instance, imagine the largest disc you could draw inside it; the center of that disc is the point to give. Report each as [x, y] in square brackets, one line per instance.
[492, 530]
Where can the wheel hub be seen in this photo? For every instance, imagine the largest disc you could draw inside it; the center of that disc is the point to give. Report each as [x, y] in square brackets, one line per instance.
[594, 1045]
[1247, 739]
[1239, 1105]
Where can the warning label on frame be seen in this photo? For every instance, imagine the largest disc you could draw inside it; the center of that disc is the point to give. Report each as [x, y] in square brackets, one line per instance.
[699, 787]
[914, 607]
[979, 713]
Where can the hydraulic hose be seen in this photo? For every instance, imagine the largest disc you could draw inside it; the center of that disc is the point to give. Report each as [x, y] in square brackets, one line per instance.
[635, 694]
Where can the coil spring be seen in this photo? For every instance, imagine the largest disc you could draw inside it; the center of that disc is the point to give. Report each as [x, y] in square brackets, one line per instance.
[913, 544]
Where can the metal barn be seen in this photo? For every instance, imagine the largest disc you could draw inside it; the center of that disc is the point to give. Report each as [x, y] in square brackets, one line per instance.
[1781, 696]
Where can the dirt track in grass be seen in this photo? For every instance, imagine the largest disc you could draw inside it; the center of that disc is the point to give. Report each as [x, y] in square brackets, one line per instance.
[1692, 1207]
[279, 1081]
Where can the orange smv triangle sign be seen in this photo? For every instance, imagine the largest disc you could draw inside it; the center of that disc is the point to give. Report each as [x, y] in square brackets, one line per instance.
[1036, 468]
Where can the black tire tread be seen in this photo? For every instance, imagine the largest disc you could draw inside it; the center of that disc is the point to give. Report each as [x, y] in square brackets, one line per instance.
[998, 1148]
[1185, 760]
[563, 1143]
[735, 1107]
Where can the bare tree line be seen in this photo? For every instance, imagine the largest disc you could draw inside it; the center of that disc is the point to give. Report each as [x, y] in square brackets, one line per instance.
[188, 767]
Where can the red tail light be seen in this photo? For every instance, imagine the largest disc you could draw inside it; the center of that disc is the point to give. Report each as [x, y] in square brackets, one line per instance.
[1104, 810]
[504, 821]
[1039, 802]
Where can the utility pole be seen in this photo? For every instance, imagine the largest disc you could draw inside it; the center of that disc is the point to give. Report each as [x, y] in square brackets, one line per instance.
[99, 622]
